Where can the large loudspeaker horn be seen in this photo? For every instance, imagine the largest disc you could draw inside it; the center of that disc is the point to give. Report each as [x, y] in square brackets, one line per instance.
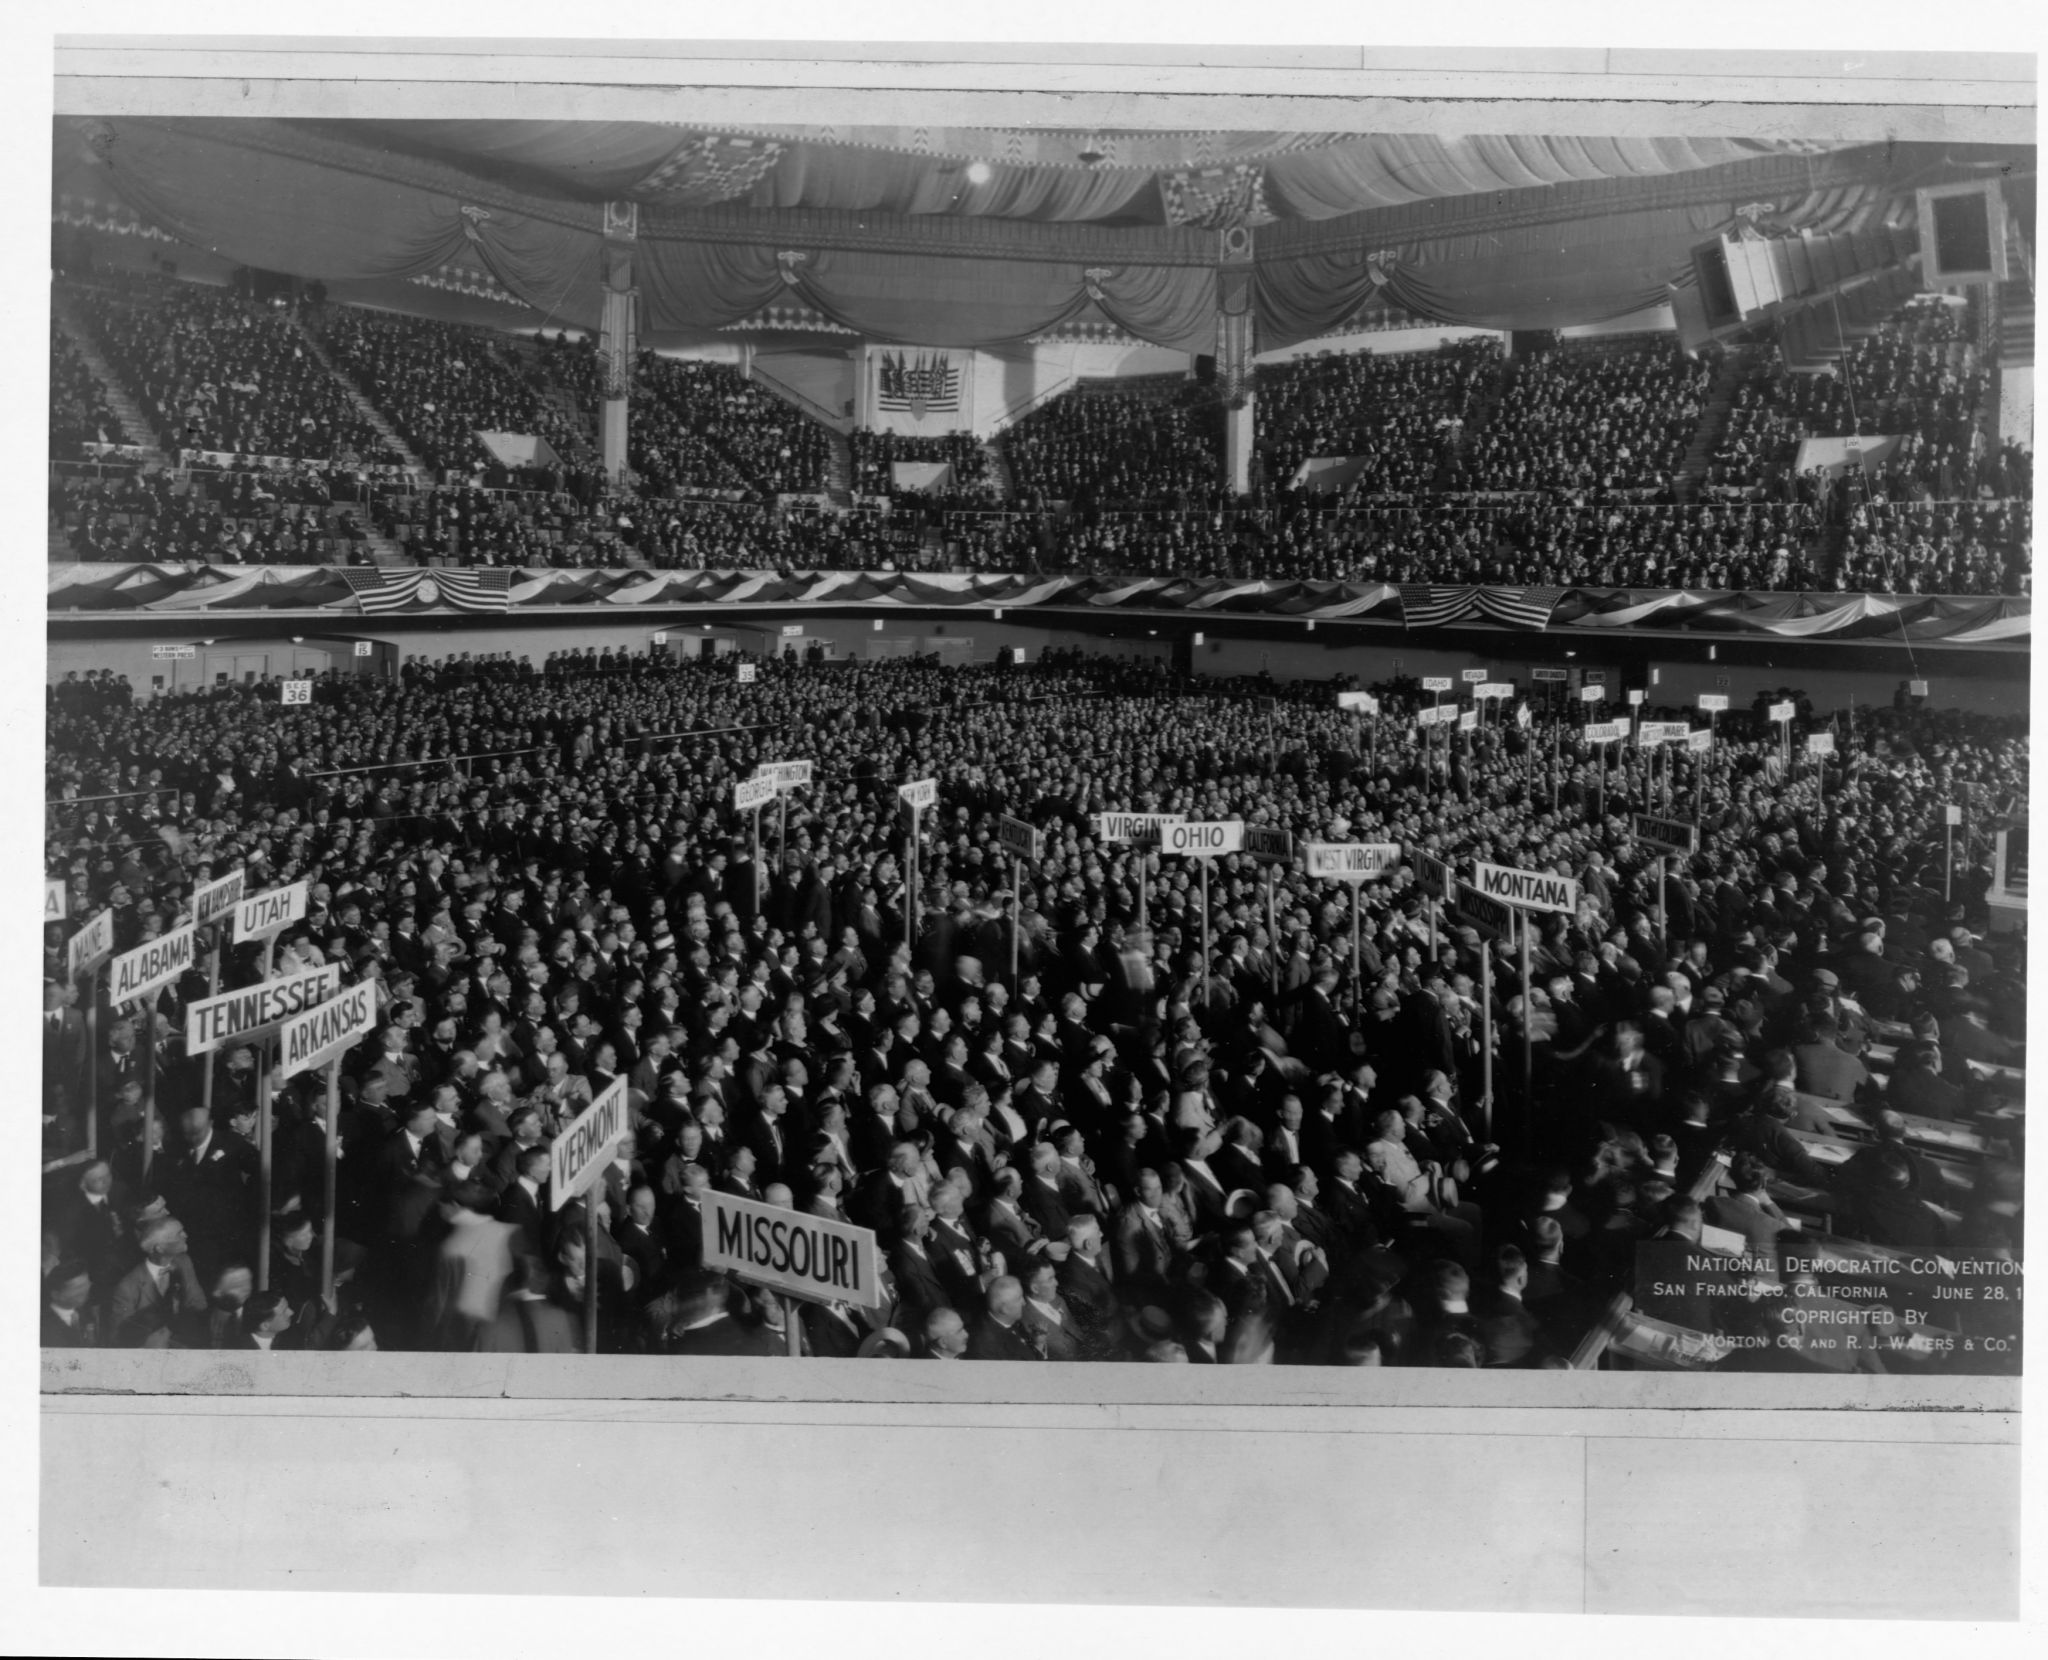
[1962, 233]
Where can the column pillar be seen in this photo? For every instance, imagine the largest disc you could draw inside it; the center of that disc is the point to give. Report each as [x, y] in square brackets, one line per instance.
[1235, 344]
[617, 345]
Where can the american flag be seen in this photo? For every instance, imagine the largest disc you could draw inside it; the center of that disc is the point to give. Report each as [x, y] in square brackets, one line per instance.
[929, 383]
[1429, 607]
[383, 589]
[1521, 607]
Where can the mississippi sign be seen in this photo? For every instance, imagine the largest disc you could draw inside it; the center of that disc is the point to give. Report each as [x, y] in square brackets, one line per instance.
[151, 965]
[791, 1251]
[317, 1036]
[1143, 829]
[1535, 890]
[1203, 838]
[578, 1155]
[1351, 861]
[1475, 910]
[214, 1022]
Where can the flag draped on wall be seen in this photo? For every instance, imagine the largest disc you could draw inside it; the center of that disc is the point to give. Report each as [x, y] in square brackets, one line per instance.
[384, 589]
[926, 384]
[1426, 606]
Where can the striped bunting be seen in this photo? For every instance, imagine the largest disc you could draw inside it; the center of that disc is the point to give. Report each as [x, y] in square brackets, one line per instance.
[383, 589]
[1520, 607]
[1430, 607]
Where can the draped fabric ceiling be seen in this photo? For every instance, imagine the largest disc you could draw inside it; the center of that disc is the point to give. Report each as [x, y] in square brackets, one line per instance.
[985, 237]
[167, 589]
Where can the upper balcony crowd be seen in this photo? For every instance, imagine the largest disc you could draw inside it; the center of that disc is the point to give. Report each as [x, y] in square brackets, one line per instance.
[316, 432]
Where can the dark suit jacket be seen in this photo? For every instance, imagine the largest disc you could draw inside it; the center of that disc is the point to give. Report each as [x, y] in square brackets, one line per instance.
[728, 1336]
[525, 1212]
[57, 1335]
[991, 1340]
[919, 1289]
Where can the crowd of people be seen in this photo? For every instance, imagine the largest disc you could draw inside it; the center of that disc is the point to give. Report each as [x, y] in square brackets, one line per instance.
[1597, 416]
[216, 372]
[1104, 449]
[1557, 466]
[702, 427]
[876, 453]
[1400, 413]
[79, 411]
[1182, 1128]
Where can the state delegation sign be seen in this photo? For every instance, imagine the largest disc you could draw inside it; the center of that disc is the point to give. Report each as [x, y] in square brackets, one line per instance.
[54, 896]
[791, 1251]
[214, 1022]
[151, 965]
[1269, 846]
[1016, 835]
[1203, 838]
[579, 1154]
[213, 900]
[1352, 861]
[316, 1037]
[263, 914]
[94, 944]
[1533, 890]
[1141, 829]
[750, 793]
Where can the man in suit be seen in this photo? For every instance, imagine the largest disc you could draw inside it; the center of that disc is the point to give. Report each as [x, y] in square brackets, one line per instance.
[639, 1240]
[1244, 1284]
[697, 1319]
[210, 1186]
[1509, 1331]
[1917, 1086]
[89, 1227]
[524, 1203]
[1086, 1285]
[1042, 1199]
[1000, 1333]
[956, 1252]
[1823, 1068]
[919, 1288]
[1749, 1209]
[160, 1300]
[1148, 1240]
[69, 1321]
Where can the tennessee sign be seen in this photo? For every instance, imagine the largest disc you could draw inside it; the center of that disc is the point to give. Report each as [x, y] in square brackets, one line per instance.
[1352, 861]
[150, 965]
[214, 1022]
[1203, 838]
[791, 1251]
[579, 1154]
[1535, 890]
[316, 1037]
[1141, 828]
